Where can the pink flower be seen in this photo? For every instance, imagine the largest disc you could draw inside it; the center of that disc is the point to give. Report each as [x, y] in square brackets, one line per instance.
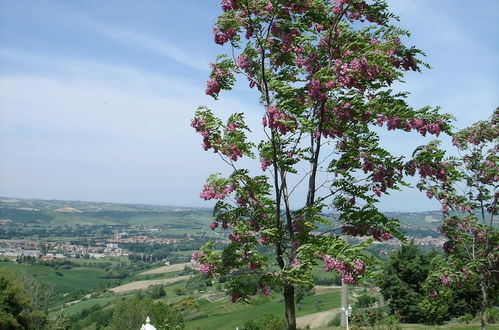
[315, 91]
[269, 7]
[210, 191]
[228, 5]
[266, 291]
[212, 87]
[348, 278]
[265, 164]
[386, 236]
[296, 224]
[295, 262]
[206, 268]
[331, 263]
[220, 38]
[214, 225]
[231, 127]
[235, 238]
[243, 62]
[445, 280]
[263, 240]
[433, 294]
[277, 119]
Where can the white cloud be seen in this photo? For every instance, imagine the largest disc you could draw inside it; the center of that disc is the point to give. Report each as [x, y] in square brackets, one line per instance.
[154, 44]
[96, 131]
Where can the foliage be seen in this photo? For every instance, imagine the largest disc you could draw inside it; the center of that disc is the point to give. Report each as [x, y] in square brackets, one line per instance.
[269, 321]
[323, 70]
[401, 281]
[132, 312]
[365, 300]
[157, 291]
[12, 302]
[17, 309]
[336, 321]
[374, 318]
[467, 188]
[450, 302]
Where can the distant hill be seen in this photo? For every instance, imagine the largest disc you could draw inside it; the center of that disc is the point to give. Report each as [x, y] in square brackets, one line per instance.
[57, 212]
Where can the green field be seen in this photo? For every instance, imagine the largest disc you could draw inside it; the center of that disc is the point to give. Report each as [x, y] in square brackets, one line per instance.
[85, 278]
[85, 304]
[226, 315]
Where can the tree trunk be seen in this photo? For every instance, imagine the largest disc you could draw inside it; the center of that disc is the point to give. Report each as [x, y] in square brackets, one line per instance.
[289, 303]
[483, 309]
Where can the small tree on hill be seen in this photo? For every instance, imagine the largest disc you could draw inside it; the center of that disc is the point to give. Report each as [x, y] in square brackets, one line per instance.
[323, 71]
[467, 188]
[402, 279]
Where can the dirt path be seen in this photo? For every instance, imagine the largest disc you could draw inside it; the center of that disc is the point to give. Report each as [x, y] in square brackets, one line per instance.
[323, 289]
[141, 285]
[316, 320]
[167, 269]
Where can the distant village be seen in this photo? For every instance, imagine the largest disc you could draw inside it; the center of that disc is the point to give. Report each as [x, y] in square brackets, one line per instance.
[48, 251]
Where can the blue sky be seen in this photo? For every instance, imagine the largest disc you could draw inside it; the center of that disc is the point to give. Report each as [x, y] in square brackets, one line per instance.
[96, 96]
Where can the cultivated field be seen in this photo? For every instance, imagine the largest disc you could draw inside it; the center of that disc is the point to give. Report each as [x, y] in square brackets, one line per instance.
[167, 269]
[142, 285]
[316, 320]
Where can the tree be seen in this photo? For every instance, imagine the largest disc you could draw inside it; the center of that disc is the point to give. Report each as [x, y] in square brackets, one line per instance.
[450, 302]
[401, 282]
[467, 188]
[12, 302]
[405, 281]
[18, 306]
[323, 73]
[132, 312]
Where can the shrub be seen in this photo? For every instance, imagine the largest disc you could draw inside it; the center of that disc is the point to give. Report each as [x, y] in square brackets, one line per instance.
[269, 321]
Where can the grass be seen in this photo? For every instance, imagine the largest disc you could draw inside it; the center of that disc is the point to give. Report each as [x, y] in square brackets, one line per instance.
[85, 304]
[449, 326]
[226, 315]
[84, 278]
[111, 259]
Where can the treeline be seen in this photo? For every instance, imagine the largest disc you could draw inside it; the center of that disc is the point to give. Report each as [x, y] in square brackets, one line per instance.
[25, 230]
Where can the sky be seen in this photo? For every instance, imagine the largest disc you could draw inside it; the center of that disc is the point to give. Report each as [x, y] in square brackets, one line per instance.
[96, 96]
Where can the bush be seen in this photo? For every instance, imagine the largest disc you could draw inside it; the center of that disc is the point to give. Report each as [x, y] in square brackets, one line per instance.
[374, 318]
[365, 300]
[336, 321]
[466, 318]
[268, 321]
[493, 316]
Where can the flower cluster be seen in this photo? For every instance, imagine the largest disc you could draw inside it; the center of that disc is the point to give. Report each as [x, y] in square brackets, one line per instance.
[418, 124]
[243, 62]
[199, 125]
[315, 91]
[212, 191]
[264, 163]
[205, 268]
[222, 37]
[278, 120]
[349, 274]
[218, 78]
[436, 169]
[380, 234]
[228, 5]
